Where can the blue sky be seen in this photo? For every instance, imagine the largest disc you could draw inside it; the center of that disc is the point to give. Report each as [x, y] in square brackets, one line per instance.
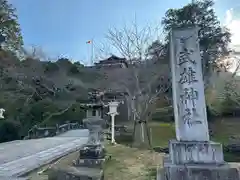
[62, 27]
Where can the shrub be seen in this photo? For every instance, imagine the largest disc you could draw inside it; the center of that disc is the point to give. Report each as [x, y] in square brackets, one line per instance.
[50, 67]
[126, 139]
[74, 69]
[8, 131]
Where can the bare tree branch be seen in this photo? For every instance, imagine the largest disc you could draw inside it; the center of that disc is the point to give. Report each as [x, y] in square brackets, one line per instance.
[143, 80]
[57, 113]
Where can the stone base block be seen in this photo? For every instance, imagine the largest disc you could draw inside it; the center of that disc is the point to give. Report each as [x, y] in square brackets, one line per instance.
[75, 173]
[190, 152]
[92, 152]
[226, 171]
[199, 172]
[93, 163]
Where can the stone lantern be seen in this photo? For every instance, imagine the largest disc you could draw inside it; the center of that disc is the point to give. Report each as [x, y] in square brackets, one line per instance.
[113, 112]
[95, 126]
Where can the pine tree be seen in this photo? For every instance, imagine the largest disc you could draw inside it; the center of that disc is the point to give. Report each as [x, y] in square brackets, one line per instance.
[9, 27]
[214, 39]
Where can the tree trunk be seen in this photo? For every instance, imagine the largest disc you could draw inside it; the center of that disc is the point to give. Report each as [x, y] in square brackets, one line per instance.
[149, 135]
[129, 113]
[141, 138]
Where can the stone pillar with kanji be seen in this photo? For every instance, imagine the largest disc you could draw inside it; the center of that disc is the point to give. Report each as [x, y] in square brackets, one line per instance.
[191, 155]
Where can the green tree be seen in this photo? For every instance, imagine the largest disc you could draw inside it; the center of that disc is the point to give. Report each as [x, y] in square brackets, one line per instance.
[9, 27]
[157, 51]
[214, 39]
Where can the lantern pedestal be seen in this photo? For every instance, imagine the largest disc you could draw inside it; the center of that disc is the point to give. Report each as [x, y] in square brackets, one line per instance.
[113, 126]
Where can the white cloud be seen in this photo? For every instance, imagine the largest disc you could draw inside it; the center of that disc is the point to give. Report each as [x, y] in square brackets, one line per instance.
[234, 26]
[229, 17]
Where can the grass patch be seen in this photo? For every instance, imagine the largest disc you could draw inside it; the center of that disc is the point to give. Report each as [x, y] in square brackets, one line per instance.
[162, 133]
[131, 163]
[230, 157]
[223, 129]
[124, 138]
[152, 173]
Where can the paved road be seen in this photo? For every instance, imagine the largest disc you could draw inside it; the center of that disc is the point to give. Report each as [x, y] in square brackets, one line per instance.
[19, 157]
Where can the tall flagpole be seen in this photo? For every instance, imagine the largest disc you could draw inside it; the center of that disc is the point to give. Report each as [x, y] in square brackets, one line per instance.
[92, 61]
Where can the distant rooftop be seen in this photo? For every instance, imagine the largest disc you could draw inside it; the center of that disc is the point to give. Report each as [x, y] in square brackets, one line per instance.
[112, 60]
